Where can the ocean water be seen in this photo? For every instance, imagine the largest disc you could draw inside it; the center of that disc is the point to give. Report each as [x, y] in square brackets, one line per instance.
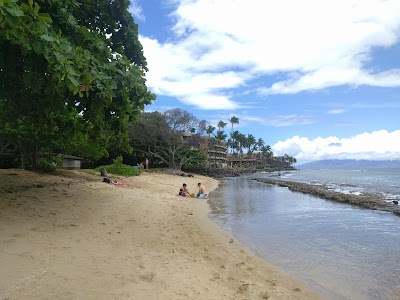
[385, 182]
[339, 250]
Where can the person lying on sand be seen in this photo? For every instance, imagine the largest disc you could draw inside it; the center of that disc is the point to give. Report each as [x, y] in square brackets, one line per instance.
[202, 191]
[108, 180]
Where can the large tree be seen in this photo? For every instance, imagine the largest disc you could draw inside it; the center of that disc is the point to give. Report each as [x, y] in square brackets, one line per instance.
[71, 76]
[168, 140]
[180, 120]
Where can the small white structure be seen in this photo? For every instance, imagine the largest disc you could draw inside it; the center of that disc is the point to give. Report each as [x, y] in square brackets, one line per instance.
[71, 162]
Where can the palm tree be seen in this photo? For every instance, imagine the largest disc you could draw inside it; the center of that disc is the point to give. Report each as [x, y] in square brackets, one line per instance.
[234, 141]
[233, 120]
[251, 140]
[210, 129]
[220, 125]
[241, 139]
[220, 136]
[266, 153]
[260, 143]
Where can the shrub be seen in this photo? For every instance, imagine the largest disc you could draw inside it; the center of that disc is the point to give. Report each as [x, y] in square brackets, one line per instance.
[118, 168]
[49, 164]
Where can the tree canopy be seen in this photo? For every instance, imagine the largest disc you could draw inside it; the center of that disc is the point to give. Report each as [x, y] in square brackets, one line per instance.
[167, 137]
[71, 76]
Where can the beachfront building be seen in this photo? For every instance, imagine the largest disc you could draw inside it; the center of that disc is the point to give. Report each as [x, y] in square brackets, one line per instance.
[71, 162]
[216, 151]
[9, 155]
[218, 157]
[217, 154]
[237, 161]
[256, 162]
[243, 161]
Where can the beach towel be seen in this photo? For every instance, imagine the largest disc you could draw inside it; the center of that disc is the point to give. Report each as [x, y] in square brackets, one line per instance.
[202, 195]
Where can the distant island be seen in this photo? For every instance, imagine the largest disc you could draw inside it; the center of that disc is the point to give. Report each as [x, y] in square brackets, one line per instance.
[351, 164]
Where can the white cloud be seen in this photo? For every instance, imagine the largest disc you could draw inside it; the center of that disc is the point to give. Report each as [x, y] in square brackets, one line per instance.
[336, 111]
[174, 76]
[312, 44]
[209, 101]
[280, 120]
[333, 76]
[377, 145]
[136, 10]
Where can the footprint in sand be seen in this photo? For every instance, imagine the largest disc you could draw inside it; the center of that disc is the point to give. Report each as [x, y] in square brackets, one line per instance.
[216, 276]
[147, 277]
[243, 288]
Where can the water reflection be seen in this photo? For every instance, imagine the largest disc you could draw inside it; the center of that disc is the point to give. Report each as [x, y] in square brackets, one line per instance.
[340, 250]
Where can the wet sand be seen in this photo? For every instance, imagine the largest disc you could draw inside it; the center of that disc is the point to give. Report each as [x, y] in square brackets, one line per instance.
[71, 236]
[366, 200]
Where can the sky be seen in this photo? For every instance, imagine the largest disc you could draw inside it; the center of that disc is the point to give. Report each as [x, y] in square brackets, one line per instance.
[315, 79]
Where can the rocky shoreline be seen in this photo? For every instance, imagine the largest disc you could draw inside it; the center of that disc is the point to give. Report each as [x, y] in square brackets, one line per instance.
[367, 200]
[219, 173]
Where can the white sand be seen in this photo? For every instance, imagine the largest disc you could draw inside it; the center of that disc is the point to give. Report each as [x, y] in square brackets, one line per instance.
[75, 237]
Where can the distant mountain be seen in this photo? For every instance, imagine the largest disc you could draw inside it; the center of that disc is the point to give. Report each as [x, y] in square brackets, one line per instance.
[351, 164]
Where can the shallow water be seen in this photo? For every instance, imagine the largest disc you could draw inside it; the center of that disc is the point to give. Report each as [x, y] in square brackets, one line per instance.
[382, 181]
[341, 251]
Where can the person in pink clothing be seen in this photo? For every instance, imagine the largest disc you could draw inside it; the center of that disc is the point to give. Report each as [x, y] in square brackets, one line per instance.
[185, 190]
[147, 163]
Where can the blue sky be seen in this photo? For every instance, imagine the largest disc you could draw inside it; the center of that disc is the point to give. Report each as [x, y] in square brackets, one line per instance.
[315, 79]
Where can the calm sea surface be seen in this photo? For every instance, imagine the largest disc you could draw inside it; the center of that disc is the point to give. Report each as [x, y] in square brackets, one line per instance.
[339, 250]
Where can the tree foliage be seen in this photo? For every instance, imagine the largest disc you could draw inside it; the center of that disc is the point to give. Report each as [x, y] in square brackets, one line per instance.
[165, 137]
[71, 76]
[233, 120]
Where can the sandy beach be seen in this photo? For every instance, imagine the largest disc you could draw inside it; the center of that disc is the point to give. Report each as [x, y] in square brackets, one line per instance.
[71, 236]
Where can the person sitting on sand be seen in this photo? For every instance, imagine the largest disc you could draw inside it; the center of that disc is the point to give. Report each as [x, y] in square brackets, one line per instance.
[181, 193]
[185, 190]
[202, 191]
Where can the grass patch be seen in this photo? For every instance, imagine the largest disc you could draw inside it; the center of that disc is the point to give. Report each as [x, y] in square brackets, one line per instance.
[90, 171]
